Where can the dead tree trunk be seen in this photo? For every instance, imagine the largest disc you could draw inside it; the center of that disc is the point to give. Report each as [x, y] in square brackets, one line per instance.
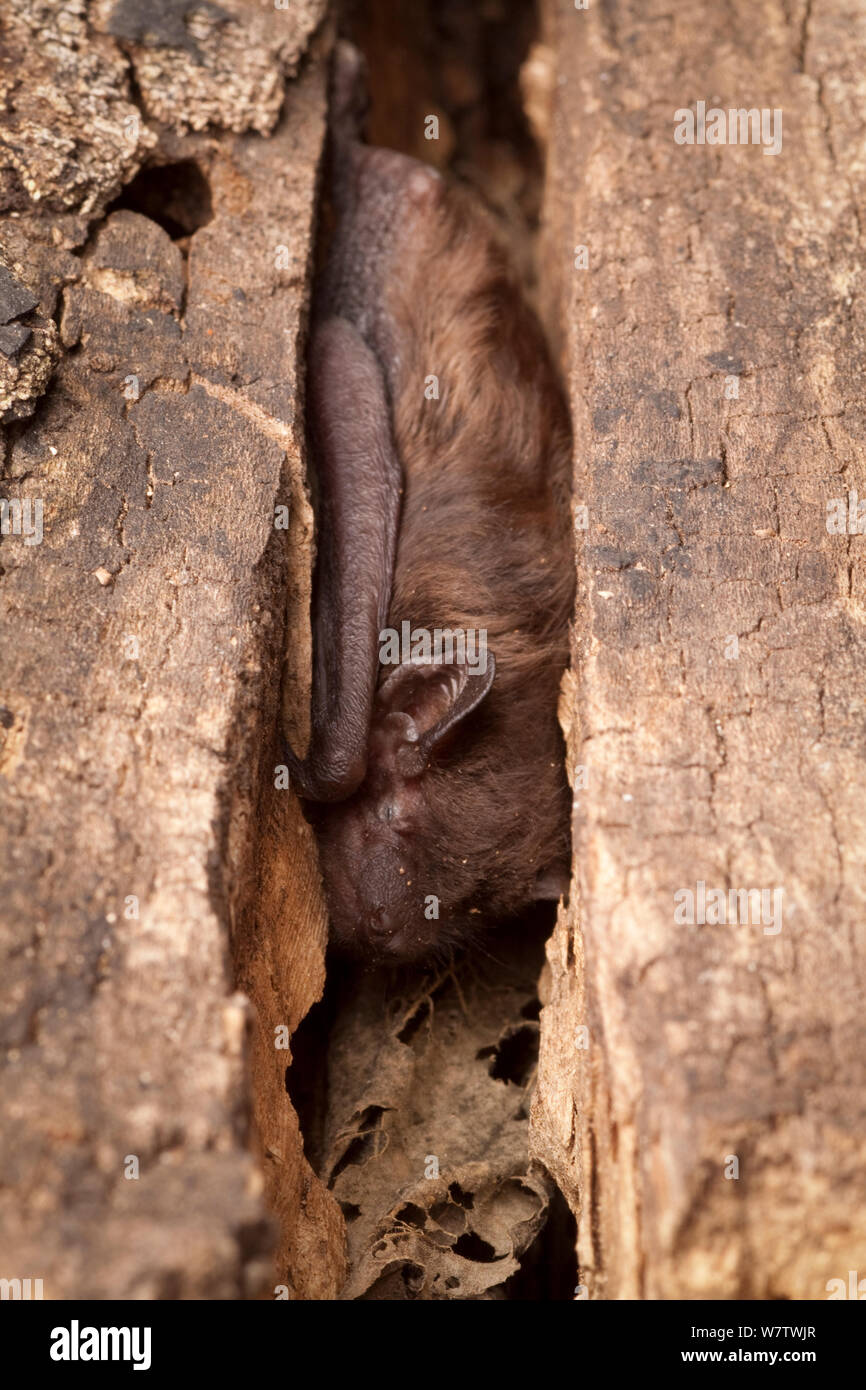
[144, 571]
[700, 1094]
[709, 1125]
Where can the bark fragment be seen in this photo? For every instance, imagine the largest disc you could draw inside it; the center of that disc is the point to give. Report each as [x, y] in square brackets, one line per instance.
[144, 637]
[714, 346]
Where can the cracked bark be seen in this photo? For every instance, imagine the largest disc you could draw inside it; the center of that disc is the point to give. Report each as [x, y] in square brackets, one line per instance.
[710, 1041]
[145, 871]
[142, 776]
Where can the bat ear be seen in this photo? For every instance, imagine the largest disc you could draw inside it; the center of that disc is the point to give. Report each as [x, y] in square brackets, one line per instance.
[424, 702]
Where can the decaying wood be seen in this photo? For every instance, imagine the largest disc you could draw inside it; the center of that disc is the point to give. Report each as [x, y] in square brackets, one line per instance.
[715, 350]
[161, 916]
[423, 1131]
[142, 645]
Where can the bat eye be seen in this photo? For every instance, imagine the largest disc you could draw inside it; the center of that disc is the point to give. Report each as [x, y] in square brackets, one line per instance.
[387, 810]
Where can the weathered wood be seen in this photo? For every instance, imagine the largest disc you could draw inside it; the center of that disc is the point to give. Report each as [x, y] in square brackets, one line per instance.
[142, 645]
[714, 348]
[424, 1135]
[739, 764]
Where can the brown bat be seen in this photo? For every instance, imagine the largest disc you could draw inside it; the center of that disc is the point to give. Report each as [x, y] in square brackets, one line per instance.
[442, 448]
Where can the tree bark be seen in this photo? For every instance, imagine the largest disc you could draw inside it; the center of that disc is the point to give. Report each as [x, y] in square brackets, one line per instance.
[715, 349]
[700, 1097]
[143, 643]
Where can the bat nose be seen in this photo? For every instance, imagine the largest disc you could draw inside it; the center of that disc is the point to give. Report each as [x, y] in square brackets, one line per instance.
[380, 925]
[391, 939]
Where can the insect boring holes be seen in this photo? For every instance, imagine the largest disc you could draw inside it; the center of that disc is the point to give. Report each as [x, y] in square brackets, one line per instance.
[177, 196]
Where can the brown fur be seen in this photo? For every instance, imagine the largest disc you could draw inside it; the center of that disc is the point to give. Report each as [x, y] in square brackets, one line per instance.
[484, 542]
[417, 276]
